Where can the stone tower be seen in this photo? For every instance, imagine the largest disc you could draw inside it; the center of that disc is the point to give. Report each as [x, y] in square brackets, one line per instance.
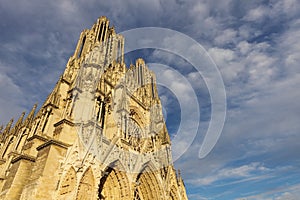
[100, 134]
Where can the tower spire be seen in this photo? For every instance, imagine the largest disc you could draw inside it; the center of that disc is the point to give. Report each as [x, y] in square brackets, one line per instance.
[18, 124]
[20, 120]
[6, 130]
[8, 126]
[30, 116]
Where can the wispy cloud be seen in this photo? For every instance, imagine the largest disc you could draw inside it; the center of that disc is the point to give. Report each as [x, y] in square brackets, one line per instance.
[255, 46]
[279, 193]
[242, 173]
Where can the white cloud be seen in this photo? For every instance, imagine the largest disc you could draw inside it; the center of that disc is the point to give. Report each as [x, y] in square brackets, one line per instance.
[289, 46]
[197, 197]
[241, 172]
[288, 196]
[226, 36]
[222, 56]
[280, 193]
[228, 63]
[257, 14]
[200, 11]
[244, 47]
[261, 76]
[289, 7]
[246, 32]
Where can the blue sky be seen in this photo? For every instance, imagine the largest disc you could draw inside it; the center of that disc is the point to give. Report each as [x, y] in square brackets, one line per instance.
[255, 45]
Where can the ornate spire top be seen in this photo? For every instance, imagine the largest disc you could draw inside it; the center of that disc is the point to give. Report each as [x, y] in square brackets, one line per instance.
[8, 126]
[30, 116]
[103, 18]
[6, 130]
[179, 173]
[20, 120]
[18, 124]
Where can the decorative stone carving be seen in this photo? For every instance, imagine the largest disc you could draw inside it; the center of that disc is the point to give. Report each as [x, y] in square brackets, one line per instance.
[99, 135]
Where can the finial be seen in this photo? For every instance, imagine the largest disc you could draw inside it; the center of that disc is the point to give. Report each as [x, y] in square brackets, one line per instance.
[131, 66]
[112, 29]
[20, 120]
[18, 124]
[7, 128]
[30, 116]
[179, 173]
[103, 17]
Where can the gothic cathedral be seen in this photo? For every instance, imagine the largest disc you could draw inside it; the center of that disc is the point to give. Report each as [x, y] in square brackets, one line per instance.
[100, 134]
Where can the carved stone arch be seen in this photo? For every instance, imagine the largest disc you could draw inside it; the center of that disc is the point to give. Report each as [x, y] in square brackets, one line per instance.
[137, 115]
[134, 122]
[147, 184]
[114, 183]
[86, 187]
[148, 166]
[68, 184]
[173, 193]
[117, 165]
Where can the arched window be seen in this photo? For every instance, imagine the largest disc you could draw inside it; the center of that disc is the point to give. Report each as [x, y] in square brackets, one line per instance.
[36, 127]
[46, 119]
[68, 185]
[101, 32]
[152, 87]
[18, 146]
[119, 51]
[86, 189]
[81, 47]
[7, 146]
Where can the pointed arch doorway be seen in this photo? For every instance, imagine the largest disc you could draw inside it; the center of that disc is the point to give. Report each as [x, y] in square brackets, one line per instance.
[86, 187]
[114, 185]
[148, 187]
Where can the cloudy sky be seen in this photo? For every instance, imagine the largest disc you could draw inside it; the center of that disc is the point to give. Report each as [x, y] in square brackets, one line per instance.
[255, 45]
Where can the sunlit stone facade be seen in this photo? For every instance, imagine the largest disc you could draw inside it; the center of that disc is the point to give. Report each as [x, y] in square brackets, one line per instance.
[100, 134]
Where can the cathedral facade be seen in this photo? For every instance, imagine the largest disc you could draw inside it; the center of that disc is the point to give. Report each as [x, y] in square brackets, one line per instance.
[100, 134]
